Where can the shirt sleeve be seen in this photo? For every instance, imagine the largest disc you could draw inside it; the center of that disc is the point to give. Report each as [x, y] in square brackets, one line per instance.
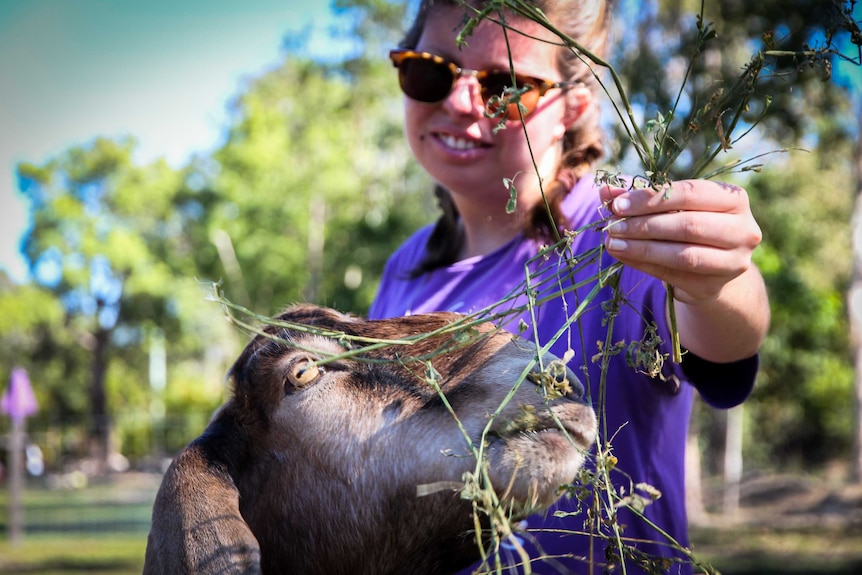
[722, 385]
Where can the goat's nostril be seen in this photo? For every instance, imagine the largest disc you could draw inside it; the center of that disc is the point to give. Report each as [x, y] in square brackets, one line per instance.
[578, 390]
[557, 380]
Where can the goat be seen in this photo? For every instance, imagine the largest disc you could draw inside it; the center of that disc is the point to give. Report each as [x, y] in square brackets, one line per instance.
[314, 463]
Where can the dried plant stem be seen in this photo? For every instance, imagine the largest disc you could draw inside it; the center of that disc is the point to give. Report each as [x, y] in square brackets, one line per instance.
[674, 332]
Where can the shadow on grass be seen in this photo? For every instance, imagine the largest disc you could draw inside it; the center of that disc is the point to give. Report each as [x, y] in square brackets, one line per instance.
[71, 566]
[775, 566]
[816, 550]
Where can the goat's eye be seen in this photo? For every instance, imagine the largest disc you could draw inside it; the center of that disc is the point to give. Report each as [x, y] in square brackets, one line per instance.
[303, 373]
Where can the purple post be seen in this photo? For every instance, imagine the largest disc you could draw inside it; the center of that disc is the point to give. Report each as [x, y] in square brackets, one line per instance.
[18, 402]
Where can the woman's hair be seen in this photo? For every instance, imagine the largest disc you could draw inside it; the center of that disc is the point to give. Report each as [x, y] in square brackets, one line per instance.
[585, 21]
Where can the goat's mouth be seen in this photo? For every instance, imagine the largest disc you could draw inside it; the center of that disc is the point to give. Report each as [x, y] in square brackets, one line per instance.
[567, 437]
[539, 450]
[532, 455]
[573, 424]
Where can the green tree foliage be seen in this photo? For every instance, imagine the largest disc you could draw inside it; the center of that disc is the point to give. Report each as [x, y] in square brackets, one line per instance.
[30, 316]
[655, 57]
[309, 194]
[801, 410]
[803, 407]
[305, 176]
[109, 242]
[315, 184]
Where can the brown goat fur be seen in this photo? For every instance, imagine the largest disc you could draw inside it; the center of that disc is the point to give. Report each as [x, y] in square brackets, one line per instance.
[314, 469]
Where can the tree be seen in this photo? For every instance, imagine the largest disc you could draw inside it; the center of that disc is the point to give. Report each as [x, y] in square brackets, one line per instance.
[855, 308]
[806, 373]
[316, 187]
[30, 319]
[304, 201]
[110, 242]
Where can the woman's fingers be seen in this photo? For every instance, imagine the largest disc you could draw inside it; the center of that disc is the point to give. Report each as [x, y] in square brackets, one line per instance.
[697, 236]
[662, 258]
[694, 195]
[719, 230]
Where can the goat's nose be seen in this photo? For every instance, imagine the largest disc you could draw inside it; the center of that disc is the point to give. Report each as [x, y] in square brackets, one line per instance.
[557, 380]
[575, 383]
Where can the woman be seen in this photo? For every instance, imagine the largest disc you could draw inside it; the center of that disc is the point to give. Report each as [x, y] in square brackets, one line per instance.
[697, 237]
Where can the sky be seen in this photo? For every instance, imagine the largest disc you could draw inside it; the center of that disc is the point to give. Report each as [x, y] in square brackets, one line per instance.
[162, 71]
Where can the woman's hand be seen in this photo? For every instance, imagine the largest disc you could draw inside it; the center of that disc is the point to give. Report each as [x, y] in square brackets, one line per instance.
[698, 236]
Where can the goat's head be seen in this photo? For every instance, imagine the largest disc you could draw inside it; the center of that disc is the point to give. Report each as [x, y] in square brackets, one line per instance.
[329, 436]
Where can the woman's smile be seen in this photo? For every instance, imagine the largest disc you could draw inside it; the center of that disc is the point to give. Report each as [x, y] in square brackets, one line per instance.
[457, 143]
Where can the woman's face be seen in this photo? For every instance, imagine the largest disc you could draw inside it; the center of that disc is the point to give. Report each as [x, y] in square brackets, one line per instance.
[456, 143]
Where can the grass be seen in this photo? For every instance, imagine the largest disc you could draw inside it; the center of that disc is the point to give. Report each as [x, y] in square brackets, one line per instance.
[774, 550]
[103, 527]
[74, 554]
[788, 524]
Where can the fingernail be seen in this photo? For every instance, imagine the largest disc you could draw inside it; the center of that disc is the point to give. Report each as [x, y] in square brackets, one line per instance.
[617, 226]
[622, 205]
[616, 244]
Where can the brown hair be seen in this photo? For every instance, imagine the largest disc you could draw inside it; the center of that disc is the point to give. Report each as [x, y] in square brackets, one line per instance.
[587, 22]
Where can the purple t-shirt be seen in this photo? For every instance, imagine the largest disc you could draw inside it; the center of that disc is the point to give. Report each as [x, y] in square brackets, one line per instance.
[646, 418]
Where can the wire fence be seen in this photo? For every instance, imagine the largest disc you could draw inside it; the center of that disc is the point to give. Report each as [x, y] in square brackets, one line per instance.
[66, 492]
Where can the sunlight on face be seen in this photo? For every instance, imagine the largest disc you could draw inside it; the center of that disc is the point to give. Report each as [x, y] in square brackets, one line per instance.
[457, 144]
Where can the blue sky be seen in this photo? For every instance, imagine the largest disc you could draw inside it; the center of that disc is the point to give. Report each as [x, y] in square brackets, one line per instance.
[160, 70]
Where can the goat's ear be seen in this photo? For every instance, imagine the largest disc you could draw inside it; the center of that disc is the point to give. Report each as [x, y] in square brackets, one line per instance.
[310, 314]
[197, 526]
[239, 370]
[245, 373]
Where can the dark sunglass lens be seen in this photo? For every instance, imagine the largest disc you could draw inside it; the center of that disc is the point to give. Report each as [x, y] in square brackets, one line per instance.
[495, 84]
[425, 80]
[499, 84]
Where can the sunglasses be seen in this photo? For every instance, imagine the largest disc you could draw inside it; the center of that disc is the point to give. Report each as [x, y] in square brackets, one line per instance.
[428, 78]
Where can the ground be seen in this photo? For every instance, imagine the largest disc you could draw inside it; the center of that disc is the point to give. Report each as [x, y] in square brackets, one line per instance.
[786, 524]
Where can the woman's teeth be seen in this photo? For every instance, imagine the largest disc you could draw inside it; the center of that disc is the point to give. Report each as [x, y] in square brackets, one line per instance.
[458, 143]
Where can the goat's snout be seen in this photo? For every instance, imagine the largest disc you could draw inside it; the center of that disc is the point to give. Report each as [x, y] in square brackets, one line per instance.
[557, 380]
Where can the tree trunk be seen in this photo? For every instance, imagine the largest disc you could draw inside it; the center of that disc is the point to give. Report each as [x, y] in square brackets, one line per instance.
[17, 439]
[855, 310]
[315, 248]
[693, 470]
[733, 459]
[100, 420]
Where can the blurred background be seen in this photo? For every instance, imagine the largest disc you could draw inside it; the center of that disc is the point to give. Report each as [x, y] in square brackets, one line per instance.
[151, 148]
